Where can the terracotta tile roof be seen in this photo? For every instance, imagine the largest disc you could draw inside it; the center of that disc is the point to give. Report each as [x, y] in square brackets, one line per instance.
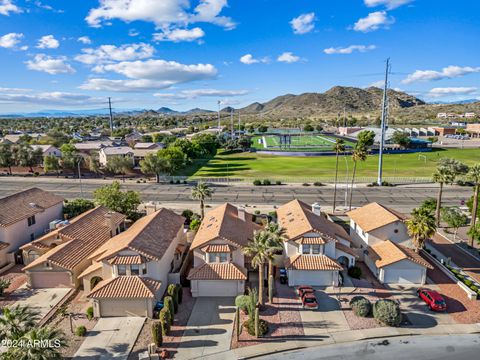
[3, 245]
[345, 249]
[223, 223]
[310, 240]
[387, 252]
[218, 271]
[26, 203]
[127, 260]
[85, 234]
[150, 236]
[312, 262]
[297, 218]
[125, 287]
[217, 248]
[374, 216]
[92, 268]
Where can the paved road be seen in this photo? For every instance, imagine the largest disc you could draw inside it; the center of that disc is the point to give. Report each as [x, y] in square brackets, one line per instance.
[402, 198]
[458, 347]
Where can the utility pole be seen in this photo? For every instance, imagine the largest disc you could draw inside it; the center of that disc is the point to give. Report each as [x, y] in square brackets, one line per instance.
[231, 121]
[239, 123]
[218, 103]
[383, 124]
[111, 115]
[344, 117]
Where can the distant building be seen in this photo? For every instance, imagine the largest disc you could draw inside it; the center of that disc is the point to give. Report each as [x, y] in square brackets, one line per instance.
[473, 130]
[470, 115]
[106, 153]
[442, 131]
[48, 150]
[345, 131]
[441, 115]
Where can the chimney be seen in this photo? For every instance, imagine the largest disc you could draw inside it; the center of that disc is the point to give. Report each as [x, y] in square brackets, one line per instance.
[317, 209]
[241, 213]
[109, 222]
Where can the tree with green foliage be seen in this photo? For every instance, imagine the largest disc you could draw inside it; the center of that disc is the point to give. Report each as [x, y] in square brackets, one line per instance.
[26, 156]
[454, 219]
[359, 154]
[4, 284]
[429, 204]
[168, 303]
[258, 250]
[57, 138]
[338, 147]
[474, 233]
[6, 157]
[401, 138]
[157, 333]
[174, 157]
[73, 208]
[70, 157]
[201, 192]
[93, 163]
[366, 138]
[172, 291]
[308, 128]
[474, 175]
[120, 165]
[51, 163]
[421, 226]
[154, 164]
[112, 197]
[276, 238]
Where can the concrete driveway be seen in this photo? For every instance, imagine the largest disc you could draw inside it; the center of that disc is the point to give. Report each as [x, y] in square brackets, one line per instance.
[111, 338]
[327, 319]
[416, 309]
[209, 329]
[42, 300]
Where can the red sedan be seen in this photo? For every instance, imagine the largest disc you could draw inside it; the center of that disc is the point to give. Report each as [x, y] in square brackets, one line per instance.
[304, 289]
[433, 299]
[309, 301]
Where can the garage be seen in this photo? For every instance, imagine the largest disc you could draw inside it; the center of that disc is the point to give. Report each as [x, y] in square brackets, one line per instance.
[399, 274]
[313, 278]
[50, 279]
[219, 287]
[125, 307]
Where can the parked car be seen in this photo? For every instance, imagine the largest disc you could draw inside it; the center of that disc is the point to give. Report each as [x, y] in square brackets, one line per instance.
[433, 299]
[303, 289]
[309, 301]
[283, 276]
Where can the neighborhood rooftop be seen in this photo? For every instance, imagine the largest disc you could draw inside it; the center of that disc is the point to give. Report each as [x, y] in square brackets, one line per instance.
[129, 287]
[387, 252]
[374, 216]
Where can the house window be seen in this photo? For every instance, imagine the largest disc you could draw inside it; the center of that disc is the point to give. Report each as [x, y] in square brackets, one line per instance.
[32, 236]
[31, 220]
[47, 265]
[223, 257]
[122, 270]
[316, 249]
[134, 270]
[306, 249]
[212, 257]
[143, 269]
[217, 257]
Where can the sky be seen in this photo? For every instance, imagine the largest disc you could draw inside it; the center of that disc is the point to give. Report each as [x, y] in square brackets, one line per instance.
[182, 54]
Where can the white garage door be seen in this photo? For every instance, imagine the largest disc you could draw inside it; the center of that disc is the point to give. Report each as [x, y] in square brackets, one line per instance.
[403, 276]
[137, 307]
[50, 279]
[217, 288]
[313, 278]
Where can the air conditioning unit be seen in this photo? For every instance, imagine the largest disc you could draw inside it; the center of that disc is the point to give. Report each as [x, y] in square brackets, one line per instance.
[53, 224]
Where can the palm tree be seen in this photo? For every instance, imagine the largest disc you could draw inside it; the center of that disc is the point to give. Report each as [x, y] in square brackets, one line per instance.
[339, 147]
[276, 238]
[201, 191]
[441, 176]
[16, 321]
[474, 233]
[421, 226]
[474, 175]
[359, 154]
[258, 250]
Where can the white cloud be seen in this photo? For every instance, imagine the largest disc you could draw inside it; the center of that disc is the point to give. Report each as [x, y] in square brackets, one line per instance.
[47, 7]
[288, 57]
[448, 72]
[133, 32]
[7, 7]
[84, 40]
[48, 42]
[389, 4]
[379, 84]
[11, 40]
[248, 59]
[448, 91]
[48, 98]
[178, 35]
[50, 65]
[349, 49]
[303, 24]
[162, 13]
[111, 53]
[193, 94]
[150, 75]
[374, 21]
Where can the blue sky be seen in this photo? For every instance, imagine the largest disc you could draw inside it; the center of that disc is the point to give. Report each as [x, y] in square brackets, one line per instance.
[192, 53]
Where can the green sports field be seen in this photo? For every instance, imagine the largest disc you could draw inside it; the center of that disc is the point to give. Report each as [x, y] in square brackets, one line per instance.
[300, 169]
[298, 143]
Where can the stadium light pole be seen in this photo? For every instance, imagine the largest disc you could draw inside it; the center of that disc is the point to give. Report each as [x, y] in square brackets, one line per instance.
[218, 103]
[383, 125]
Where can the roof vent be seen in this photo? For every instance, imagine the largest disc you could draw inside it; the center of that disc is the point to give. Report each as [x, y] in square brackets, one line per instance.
[33, 205]
[317, 209]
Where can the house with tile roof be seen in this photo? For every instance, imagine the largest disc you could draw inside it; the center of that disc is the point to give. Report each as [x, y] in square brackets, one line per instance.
[25, 216]
[374, 223]
[219, 267]
[59, 257]
[393, 263]
[316, 249]
[106, 153]
[129, 273]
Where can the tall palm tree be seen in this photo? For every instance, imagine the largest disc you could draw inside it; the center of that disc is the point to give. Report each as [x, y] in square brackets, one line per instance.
[421, 226]
[201, 191]
[16, 321]
[339, 147]
[258, 250]
[474, 175]
[441, 176]
[276, 236]
[359, 154]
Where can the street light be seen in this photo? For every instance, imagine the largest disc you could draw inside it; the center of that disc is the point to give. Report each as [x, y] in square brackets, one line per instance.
[346, 180]
[79, 175]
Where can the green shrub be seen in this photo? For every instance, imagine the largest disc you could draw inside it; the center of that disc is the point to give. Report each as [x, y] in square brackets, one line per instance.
[468, 282]
[168, 303]
[354, 272]
[257, 182]
[164, 318]
[474, 288]
[172, 291]
[387, 312]
[460, 277]
[278, 182]
[80, 330]
[250, 327]
[305, 184]
[267, 182]
[272, 214]
[455, 271]
[90, 313]
[257, 212]
[361, 306]
[4, 283]
[157, 333]
[317, 183]
[242, 302]
[179, 293]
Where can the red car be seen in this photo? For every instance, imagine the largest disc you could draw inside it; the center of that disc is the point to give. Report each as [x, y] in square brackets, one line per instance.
[309, 301]
[304, 289]
[434, 300]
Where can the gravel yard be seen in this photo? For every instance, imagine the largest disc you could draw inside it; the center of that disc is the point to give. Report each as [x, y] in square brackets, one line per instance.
[17, 278]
